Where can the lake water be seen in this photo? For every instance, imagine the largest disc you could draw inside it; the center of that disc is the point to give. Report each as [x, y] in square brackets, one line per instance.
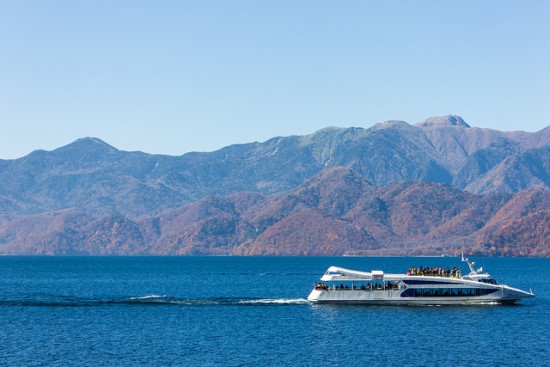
[251, 311]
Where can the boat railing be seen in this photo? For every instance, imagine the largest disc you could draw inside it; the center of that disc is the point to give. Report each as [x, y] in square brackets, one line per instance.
[363, 287]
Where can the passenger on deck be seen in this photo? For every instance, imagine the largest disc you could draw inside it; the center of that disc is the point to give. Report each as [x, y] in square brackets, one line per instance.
[435, 271]
[320, 286]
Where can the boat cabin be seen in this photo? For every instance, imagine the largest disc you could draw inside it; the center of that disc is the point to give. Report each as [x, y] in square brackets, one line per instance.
[342, 279]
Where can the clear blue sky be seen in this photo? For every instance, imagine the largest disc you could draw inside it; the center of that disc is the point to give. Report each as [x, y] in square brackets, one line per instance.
[176, 76]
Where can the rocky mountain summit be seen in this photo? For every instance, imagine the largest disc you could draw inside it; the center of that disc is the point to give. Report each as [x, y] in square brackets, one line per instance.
[439, 121]
[394, 188]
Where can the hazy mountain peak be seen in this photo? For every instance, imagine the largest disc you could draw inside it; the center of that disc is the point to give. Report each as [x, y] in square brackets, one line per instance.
[391, 124]
[449, 120]
[87, 145]
[320, 134]
[91, 142]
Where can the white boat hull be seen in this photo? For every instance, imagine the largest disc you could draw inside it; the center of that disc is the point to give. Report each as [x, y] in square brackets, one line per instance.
[504, 294]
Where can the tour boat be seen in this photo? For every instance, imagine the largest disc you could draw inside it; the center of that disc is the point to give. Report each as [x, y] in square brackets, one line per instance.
[430, 286]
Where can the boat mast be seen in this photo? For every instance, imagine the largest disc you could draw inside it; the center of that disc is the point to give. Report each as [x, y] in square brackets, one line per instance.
[470, 264]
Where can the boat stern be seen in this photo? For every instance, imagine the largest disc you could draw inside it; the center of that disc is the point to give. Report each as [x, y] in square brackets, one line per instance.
[315, 295]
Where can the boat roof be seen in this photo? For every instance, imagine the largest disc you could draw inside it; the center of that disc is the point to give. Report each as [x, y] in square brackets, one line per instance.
[336, 273]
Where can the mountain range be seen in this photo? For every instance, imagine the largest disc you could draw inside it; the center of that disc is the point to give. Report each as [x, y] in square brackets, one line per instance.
[436, 187]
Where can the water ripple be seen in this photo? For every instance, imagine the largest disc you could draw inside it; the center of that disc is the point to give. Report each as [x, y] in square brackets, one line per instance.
[151, 300]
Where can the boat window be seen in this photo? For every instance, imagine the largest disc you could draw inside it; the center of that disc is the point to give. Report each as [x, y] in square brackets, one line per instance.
[488, 281]
[421, 281]
[446, 292]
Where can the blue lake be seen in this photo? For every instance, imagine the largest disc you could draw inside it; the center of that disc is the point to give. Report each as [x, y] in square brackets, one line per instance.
[251, 311]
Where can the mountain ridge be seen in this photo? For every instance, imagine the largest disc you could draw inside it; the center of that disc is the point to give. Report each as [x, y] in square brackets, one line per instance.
[389, 152]
[87, 188]
[336, 212]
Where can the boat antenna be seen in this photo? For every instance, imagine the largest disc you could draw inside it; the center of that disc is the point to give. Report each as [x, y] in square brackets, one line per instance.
[470, 264]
